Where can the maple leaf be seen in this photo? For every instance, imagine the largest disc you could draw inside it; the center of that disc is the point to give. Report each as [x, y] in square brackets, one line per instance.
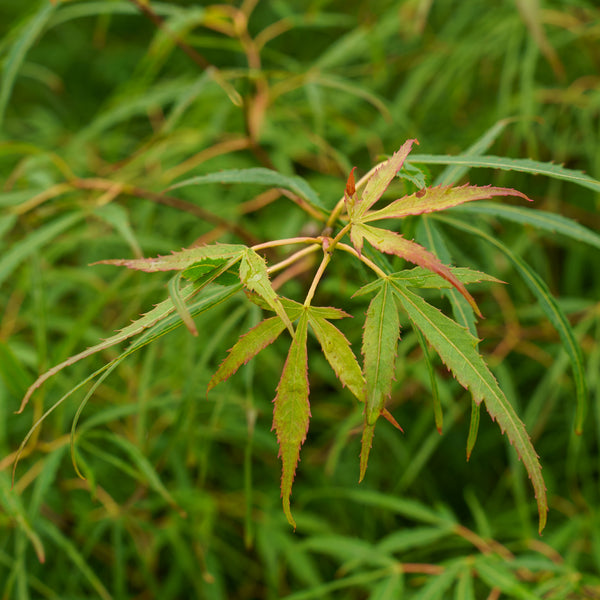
[458, 349]
[292, 411]
[393, 243]
[435, 199]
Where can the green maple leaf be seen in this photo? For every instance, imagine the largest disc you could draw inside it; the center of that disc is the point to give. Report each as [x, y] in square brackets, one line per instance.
[292, 411]
[338, 354]
[246, 348]
[380, 338]
[255, 277]
[393, 243]
[458, 349]
[180, 261]
[379, 181]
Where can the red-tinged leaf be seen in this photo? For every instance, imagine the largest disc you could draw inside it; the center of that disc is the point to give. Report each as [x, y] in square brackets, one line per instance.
[292, 411]
[178, 261]
[381, 178]
[350, 193]
[254, 275]
[365, 449]
[247, 347]
[387, 415]
[437, 198]
[380, 340]
[393, 243]
[339, 355]
[458, 349]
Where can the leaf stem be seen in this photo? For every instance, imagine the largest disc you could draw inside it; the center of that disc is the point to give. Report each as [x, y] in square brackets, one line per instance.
[293, 258]
[318, 275]
[287, 242]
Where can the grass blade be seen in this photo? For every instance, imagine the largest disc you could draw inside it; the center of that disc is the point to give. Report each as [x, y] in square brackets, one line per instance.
[540, 219]
[524, 165]
[43, 235]
[16, 56]
[259, 176]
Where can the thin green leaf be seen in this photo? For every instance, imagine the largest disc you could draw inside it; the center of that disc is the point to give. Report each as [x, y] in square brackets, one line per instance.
[551, 309]
[430, 235]
[44, 234]
[26, 38]
[422, 278]
[437, 587]
[418, 177]
[381, 178]
[452, 173]
[338, 353]
[437, 198]
[457, 348]
[435, 394]
[11, 504]
[524, 165]
[473, 427]
[179, 304]
[210, 269]
[247, 347]
[157, 328]
[406, 538]
[260, 176]
[292, 411]
[179, 261]
[380, 340]
[146, 472]
[73, 553]
[465, 588]
[495, 574]
[540, 219]
[13, 375]
[160, 311]
[118, 218]
[255, 277]
[366, 443]
[393, 243]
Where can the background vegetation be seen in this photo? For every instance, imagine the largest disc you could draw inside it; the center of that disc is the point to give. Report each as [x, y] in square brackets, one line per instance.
[103, 105]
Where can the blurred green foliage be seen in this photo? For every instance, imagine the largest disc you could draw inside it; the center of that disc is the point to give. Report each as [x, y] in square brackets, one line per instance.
[100, 111]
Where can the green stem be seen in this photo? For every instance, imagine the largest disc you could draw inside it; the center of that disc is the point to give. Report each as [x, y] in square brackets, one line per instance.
[287, 242]
[317, 277]
[293, 258]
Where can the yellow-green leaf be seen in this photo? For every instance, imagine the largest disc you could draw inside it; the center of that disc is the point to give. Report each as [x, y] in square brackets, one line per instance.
[381, 178]
[339, 355]
[254, 275]
[292, 411]
[247, 347]
[380, 340]
[393, 243]
[458, 349]
[437, 198]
